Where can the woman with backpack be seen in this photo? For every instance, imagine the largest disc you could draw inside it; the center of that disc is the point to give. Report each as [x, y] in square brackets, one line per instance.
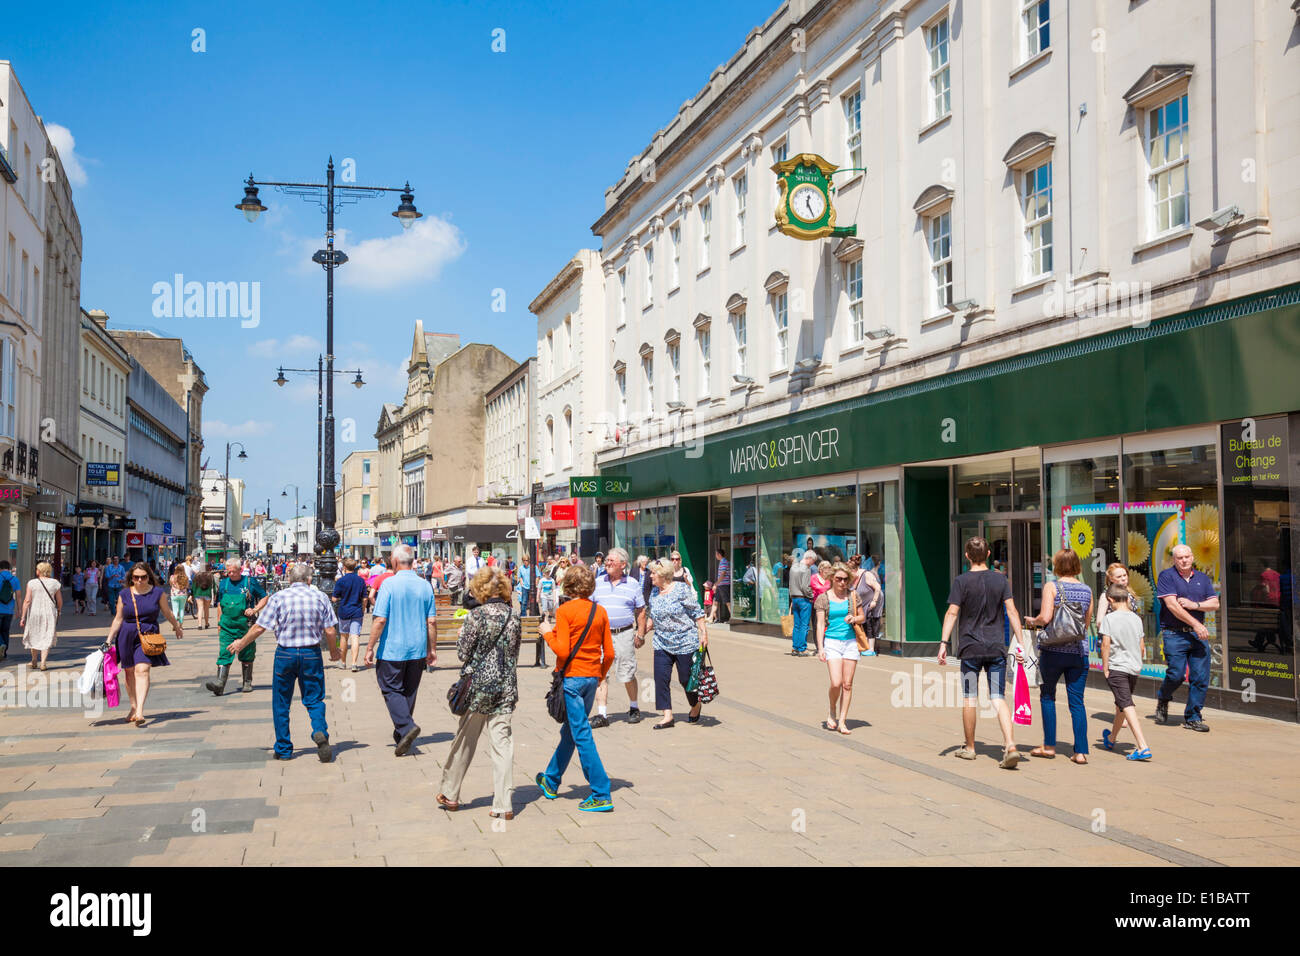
[1067, 603]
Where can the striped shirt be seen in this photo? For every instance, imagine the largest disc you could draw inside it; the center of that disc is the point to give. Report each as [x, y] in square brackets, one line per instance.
[299, 615]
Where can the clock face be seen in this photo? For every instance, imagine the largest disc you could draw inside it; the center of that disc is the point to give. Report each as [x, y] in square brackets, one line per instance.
[808, 203]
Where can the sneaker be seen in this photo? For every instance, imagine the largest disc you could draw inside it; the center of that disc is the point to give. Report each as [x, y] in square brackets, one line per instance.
[406, 741]
[1009, 759]
[600, 720]
[1200, 726]
[634, 715]
[323, 749]
[596, 805]
[1162, 712]
[965, 754]
[547, 790]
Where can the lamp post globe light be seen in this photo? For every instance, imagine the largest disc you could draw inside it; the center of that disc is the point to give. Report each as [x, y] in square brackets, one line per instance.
[330, 196]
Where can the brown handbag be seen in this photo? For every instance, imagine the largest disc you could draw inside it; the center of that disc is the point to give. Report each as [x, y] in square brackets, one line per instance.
[152, 641]
[863, 643]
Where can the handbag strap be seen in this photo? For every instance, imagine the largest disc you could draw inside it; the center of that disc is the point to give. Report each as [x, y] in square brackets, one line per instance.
[590, 617]
[495, 642]
[136, 607]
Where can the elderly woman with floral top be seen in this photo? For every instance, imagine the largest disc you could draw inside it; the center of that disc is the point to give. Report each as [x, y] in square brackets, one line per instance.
[489, 645]
[678, 624]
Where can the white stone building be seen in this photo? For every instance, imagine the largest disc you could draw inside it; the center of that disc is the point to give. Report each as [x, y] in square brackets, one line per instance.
[22, 258]
[105, 370]
[1073, 280]
[572, 416]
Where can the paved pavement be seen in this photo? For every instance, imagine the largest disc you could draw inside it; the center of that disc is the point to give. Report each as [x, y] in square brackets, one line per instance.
[756, 782]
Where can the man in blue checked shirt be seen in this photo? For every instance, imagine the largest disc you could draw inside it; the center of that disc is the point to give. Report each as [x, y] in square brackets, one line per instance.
[298, 616]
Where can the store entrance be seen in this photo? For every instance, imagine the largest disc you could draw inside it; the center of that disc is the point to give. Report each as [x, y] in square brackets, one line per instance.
[1015, 549]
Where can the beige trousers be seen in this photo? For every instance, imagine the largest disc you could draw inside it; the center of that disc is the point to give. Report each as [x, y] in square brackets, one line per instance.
[501, 748]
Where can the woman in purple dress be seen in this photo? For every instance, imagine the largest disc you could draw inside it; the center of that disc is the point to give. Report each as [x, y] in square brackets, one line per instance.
[138, 607]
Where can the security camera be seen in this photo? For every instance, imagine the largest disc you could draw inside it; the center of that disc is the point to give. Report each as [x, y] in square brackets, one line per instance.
[1222, 218]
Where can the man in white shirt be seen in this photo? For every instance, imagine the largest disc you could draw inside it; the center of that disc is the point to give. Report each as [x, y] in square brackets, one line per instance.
[474, 563]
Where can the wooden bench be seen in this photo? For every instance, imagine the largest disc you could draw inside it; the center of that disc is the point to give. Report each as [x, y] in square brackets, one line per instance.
[449, 633]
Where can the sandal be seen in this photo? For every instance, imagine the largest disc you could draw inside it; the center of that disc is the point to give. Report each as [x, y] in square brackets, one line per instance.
[140, 722]
[509, 815]
[1042, 752]
[447, 804]
[965, 754]
[1080, 759]
[1106, 741]
[1143, 754]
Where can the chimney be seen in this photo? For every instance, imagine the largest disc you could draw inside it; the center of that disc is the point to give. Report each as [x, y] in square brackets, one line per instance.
[99, 317]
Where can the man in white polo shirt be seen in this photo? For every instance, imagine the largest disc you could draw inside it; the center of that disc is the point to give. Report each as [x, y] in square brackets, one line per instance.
[623, 601]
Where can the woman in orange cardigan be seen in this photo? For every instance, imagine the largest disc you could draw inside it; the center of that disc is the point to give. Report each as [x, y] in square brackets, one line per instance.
[587, 669]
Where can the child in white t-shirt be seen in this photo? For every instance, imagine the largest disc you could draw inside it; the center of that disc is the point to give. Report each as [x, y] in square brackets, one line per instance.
[1121, 663]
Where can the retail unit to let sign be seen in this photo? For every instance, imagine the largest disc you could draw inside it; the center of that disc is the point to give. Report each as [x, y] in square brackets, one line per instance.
[102, 473]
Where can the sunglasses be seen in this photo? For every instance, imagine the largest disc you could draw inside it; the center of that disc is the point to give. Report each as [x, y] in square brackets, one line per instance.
[139, 577]
[841, 577]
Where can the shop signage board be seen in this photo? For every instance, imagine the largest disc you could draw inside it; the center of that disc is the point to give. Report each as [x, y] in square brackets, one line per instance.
[106, 473]
[135, 539]
[564, 512]
[539, 509]
[598, 486]
[90, 511]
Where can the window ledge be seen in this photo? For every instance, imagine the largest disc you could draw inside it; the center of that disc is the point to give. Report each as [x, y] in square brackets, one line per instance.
[853, 351]
[647, 307]
[1032, 284]
[1184, 233]
[1029, 64]
[738, 250]
[851, 181]
[621, 326]
[674, 290]
[702, 273]
[780, 373]
[936, 321]
[930, 127]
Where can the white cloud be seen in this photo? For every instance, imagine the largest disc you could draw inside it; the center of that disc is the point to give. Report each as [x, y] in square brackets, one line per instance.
[408, 256]
[248, 429]
[65, 144]
[294, 345]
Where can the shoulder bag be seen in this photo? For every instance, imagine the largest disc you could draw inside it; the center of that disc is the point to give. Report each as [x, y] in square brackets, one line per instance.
[459, 692]
[152, 641]
[53, 603]
[858, 630]
[1069, 623]
[555, 696]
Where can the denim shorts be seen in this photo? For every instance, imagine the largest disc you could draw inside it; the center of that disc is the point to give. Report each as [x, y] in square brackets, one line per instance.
[995, 667]
[350, 625]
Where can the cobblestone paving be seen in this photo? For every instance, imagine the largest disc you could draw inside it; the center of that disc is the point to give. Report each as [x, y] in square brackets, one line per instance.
[756, 782]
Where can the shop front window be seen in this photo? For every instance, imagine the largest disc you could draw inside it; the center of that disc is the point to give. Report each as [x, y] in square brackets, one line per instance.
[1171, 498]
[1259, 501]
[744, 548]
[878, 543]
[1083, 515]
[823, 520]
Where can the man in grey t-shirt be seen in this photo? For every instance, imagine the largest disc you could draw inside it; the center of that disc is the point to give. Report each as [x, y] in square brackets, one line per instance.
[801, 598]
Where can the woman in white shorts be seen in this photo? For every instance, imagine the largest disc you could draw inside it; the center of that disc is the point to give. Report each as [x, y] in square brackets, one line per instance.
[837, 611]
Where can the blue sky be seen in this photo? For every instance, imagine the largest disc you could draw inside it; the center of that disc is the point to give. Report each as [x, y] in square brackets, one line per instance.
[509, 154]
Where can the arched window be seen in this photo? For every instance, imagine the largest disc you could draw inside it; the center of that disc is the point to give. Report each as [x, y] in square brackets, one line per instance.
[568, 438]
[549, 447]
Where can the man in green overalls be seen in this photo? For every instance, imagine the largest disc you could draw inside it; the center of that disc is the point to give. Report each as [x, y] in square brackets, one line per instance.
[239, 598]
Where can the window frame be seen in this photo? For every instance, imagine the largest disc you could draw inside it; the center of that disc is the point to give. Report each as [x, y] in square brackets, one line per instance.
[853, 126]
[740, 195]
[940, 288]
[704, 342]
[675, 242]
[1154, 173]
[740, 342]
[1033, 226]
[933, 46]
[781, 321]
[1032, 37]
[706, 231]
[857, 320]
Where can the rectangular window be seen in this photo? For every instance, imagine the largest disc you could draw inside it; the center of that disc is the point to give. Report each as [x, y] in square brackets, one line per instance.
[853, 128]
[365, 507]
[781, 310]
[940, 235]
[568, 341]
[622, 296]
[675, 366]
[936, 41]
[11, 266]
[781, 151]
[649, 274]
[675, 240]
[620, 389]
[8, 372]
[740, 338]
[365, 471]
[1038, 221]
[22, 285]
[548, 357]
[706, 362]
[741, 187]
[1167, 153]
[1034, 18]
[706, 231]
[853, 284]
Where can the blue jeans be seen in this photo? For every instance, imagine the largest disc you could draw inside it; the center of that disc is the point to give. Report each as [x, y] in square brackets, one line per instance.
[1052, 666]
[303, 666]
[1186, 652]
[579, 693]
[801, 608]
[113, 591]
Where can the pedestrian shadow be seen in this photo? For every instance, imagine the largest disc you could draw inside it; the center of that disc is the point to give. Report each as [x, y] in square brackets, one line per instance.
[346, 745]
[993, 751]
[167, 715]
[855, 724]
[532, 793]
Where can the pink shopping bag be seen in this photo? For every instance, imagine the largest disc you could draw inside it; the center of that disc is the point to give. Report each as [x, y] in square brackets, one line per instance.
[1024, 713]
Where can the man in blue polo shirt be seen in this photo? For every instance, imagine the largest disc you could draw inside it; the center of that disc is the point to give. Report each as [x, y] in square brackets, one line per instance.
[8, 581]
[349, 596]
[624, 602]
[403, 638]
[1185, 594]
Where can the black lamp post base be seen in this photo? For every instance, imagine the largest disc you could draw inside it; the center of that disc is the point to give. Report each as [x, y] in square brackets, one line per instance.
[326, 564]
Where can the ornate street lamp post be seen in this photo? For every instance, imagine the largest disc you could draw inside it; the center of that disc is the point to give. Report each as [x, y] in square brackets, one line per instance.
[329, 259]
